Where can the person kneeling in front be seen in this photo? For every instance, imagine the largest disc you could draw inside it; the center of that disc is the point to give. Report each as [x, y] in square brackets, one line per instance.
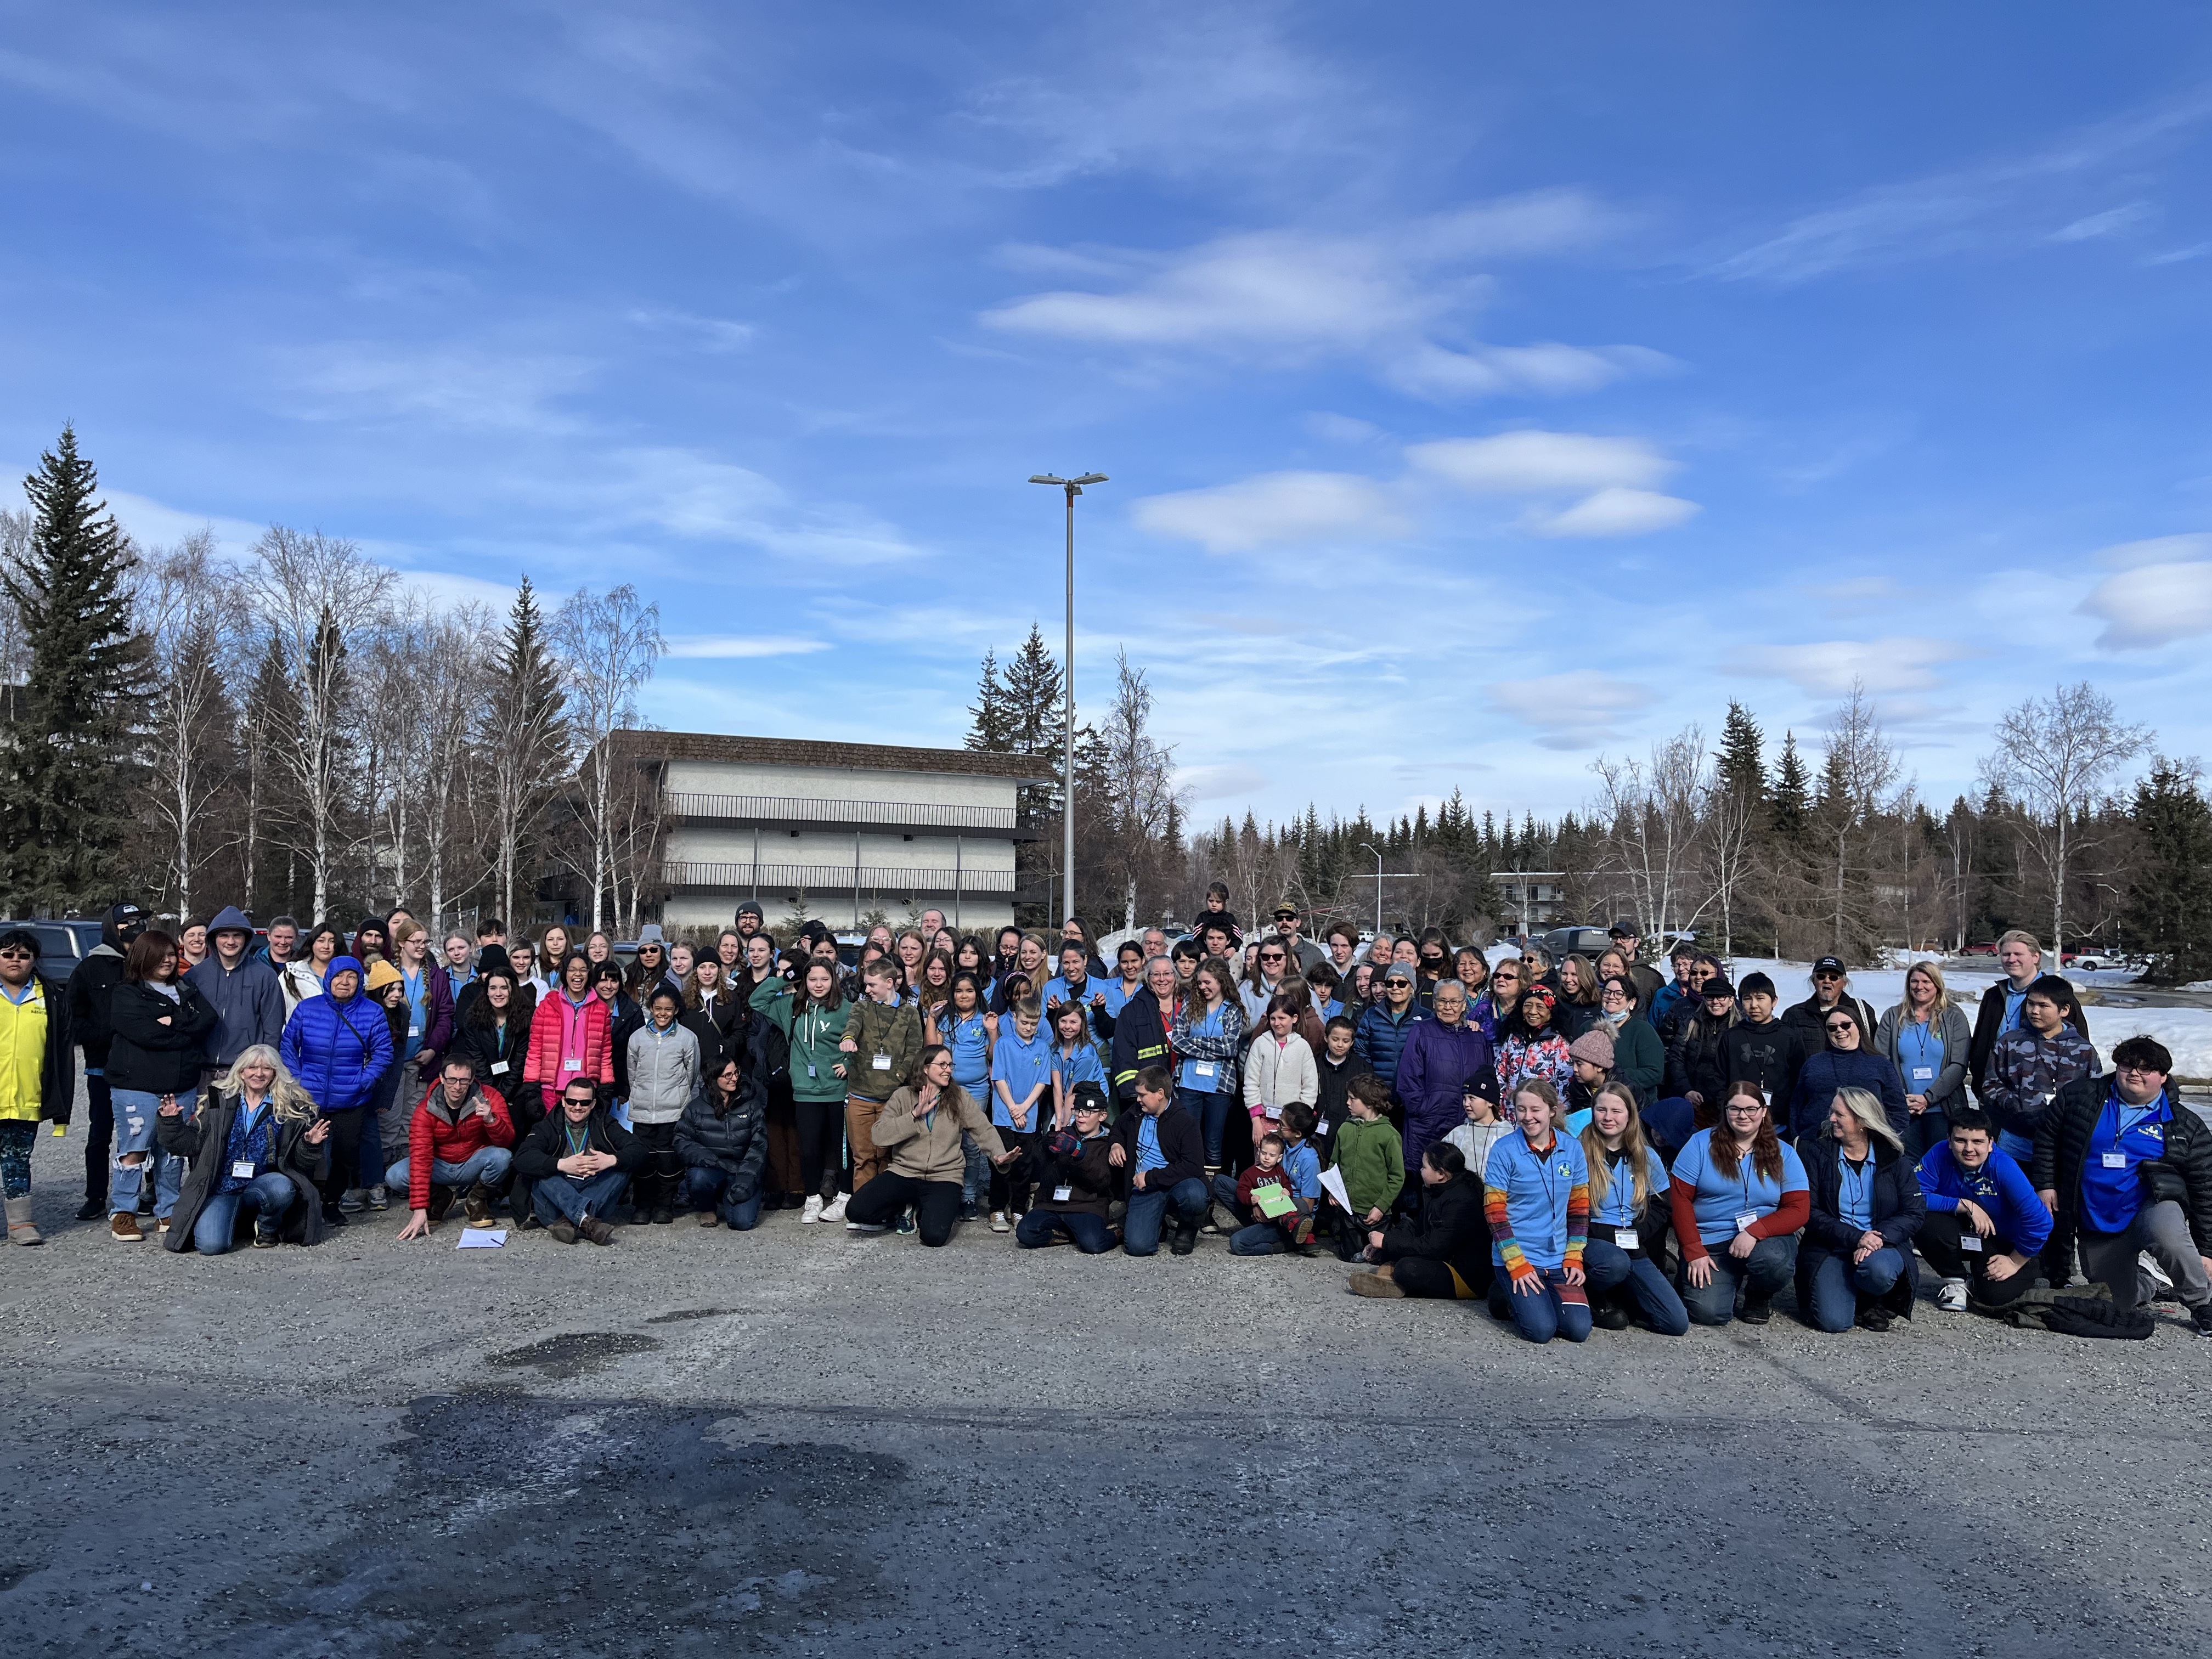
[2122, 1171]
[459, 1140]
[1855, 1263]
[580, 1161]
[1160, 1147]
[723, 1141]
[1739, 1197]
[1536, 1199]
[920, 1126]
[1985, 1225]
[1078, 1181]
[257, 1149]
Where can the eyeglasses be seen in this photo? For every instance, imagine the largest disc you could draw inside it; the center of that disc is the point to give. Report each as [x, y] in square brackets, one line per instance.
[2137, 1071]
[1271, 955]
[1842, 1025]
[1745, 1111]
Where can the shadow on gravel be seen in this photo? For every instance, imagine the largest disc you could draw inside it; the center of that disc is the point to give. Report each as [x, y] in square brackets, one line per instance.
[520, 1525]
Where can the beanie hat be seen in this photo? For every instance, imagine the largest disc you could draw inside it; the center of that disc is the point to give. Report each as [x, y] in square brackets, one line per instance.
[381, 974]
[1594, 1047]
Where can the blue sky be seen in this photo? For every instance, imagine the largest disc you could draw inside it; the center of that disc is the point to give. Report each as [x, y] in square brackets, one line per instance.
[1481, 390]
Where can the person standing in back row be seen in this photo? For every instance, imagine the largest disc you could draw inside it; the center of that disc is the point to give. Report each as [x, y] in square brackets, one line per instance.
[35, 1072]
[91, 988]
[248, 1001]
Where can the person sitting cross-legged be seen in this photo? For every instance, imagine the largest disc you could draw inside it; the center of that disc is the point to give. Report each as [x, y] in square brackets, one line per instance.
[1078, 1181]
[578, 1163]
[460, 1140]
[257, 1148]
[1985, 1226]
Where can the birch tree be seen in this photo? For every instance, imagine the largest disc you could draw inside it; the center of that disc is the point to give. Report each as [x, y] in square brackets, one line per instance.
[608, 646]
[190, 608]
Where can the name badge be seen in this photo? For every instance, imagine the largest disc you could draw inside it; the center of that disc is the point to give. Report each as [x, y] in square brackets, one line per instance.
[1321, 1128]
[810, 1071]
[1272, 1111]
[1969, 1241]
[1625, 1240]
[572, 1065]
[242, 1168]
[1746, 1222]
[498, 1068]
[414, 1031]
[2116, 1160]
[1061, 1194]
[1923, 1074]
[883, 1062]
[1201, 1067]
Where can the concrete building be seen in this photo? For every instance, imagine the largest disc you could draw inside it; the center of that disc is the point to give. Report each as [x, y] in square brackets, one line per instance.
[854, 827]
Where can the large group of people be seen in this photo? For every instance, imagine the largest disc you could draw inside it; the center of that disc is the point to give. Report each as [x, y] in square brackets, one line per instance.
[1582, 1144]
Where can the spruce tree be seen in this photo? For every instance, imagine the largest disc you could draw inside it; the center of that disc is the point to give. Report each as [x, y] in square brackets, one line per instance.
[66, 809]
[1743, 769]
[987, 729]
[2169, 909]
[526, 733]
[1792, 806]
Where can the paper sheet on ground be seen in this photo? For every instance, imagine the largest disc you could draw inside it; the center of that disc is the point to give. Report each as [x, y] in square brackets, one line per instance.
[1332, 1184]
[482, 1238]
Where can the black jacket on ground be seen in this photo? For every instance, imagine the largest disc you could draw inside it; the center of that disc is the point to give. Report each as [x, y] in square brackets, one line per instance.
[1181, 1143]
[1448, 1227]
[1897, 1204]
[2062, 1146]
[1988, 1026]
[204, 1140]
[732, 1137]
[148, 1055]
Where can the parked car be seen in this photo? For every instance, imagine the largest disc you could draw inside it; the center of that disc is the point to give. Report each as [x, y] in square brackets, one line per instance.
[62, 945]
[1988, 950]
[1564, 942]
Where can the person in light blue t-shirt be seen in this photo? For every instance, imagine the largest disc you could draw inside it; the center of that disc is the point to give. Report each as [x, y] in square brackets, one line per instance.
[1074, 1061]
[1740, 1197]
[1624, 1284]
[1021, 1082]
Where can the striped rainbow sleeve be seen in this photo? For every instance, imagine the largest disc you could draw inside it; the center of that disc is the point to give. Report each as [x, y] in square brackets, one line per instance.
[1501, 1232]
[1577, 1221]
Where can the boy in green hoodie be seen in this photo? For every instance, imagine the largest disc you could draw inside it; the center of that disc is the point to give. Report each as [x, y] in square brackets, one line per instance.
[1370, 1157]
[882, 1041]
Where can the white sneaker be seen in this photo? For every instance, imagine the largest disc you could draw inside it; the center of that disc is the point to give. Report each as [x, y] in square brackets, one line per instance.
[1952, 1298]
[1000, 1223]
[834, 1209]
[810, 1211]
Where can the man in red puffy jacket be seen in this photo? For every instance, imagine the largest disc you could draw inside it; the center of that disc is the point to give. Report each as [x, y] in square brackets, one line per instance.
[461, 1140]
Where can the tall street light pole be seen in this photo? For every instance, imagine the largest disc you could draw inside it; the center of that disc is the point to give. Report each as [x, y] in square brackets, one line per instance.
[1378, 888]
[1074, 488]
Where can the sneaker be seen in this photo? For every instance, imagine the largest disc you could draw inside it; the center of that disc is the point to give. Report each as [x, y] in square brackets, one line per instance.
[563, 1229]
[1951, 1296]
[353, 1201]
[906, 1221]
[1757, 1310]
[379, 1197]
[265, 1238]
[1876, 1318]
[122, 1227]
[708, 1218]
[1376, 1283]
[1302, 1232]
[597, 1231]
[162, 1228]
[1609, 1315]
[971, 1211]
[812, 1212]
[333, 1216]
[1218, 1220]
[866, 1227]
[2154, 1277]
[2201, 1317]
[1000, 1223]
[834, 1211]
[92, 1209]
[662, 1215]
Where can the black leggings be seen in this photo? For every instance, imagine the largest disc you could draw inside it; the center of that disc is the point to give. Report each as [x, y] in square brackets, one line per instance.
[821, 1126]
[346, 1129]
[936, 1204]
[1418, 1275]
[1010, 1188]
[653, 1187]
[98, 1140]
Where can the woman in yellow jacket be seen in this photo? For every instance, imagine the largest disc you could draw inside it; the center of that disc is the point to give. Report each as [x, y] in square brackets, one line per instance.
[34, 1069]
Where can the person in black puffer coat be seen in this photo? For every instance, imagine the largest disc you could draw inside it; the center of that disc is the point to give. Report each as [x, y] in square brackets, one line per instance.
[722, 1138]
[91, 985]
[160, 1024]
[1444, 1251]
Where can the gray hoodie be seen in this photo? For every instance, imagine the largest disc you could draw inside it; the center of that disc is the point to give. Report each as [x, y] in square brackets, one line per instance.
[248, 1001]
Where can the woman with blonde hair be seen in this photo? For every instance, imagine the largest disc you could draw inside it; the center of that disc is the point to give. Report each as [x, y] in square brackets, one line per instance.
[1626, 1230]
[1855, 1264]
[1928, 1039]
[258, 1147]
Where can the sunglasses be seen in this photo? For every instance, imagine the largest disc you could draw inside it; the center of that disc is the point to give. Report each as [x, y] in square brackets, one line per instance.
[1842, 1025]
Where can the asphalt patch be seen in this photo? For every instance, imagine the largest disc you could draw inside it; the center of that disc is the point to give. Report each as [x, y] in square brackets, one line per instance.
[574, 1354]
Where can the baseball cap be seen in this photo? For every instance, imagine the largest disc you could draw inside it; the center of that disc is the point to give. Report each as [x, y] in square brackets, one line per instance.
[1829, 965]
[1719, 987]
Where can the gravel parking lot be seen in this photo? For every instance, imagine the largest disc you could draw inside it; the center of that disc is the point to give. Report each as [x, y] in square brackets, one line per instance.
[800, 1441]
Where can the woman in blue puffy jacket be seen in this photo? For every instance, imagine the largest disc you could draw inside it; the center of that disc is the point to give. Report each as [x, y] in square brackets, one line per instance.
[337, 1045]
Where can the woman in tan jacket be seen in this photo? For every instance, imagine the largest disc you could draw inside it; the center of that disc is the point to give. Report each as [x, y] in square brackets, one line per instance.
[920, 1128]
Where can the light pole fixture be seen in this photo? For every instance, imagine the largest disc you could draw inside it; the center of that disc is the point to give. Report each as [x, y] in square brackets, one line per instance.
[1074, 488]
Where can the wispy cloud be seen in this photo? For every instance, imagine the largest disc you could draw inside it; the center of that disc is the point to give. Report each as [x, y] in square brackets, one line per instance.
[1532, 463]
[1828, 668]
[2109, 222]
[467, 385]
[1572, 711]
[1615, 512]
[722, 645]
[1275, 508]
[2162, 594]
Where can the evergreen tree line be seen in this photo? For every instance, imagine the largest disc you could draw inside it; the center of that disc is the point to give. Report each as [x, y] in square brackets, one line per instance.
[300, 733]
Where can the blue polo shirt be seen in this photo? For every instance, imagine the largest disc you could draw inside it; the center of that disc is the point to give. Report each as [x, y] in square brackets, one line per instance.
[1149, 1156]
[1720, 1199]
[1118, 994]
[1536, 1191]
[970, 1040]
[1059, 990]
[1021, 1066]
[1082, 1066]
[1617, 1207]
[2125, 1137]
[1302, 1165]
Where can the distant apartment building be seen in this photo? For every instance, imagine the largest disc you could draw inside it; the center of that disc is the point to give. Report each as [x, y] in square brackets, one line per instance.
[852, 827]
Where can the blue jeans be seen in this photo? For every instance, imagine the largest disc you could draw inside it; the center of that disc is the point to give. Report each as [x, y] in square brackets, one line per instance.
[557, 1198]
[486, 1166]
[710, 1189]
[1222, 1191]
[1211, 1111]
[1540, 1315]
[1608, 1268]
[1760, 1274]
[266, 1197]
[1140, 1228]
[135, 1111]
[2020, 1147]
[1930, 1130]
[1089, 1233]
[1260, 1238]
[1837, 1285]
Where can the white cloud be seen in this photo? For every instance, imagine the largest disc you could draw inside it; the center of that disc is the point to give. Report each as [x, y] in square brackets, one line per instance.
[451, 386]
[1827, 668]
[1341, 428]
[2156, 550]
[1572, 711]
[1537, 463]
[742, 644]
[2152, 605]
[2094, 225]
[1274, 508]
[1617, 512]
[1231, 780]
[716, 335]
[1429, 370]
